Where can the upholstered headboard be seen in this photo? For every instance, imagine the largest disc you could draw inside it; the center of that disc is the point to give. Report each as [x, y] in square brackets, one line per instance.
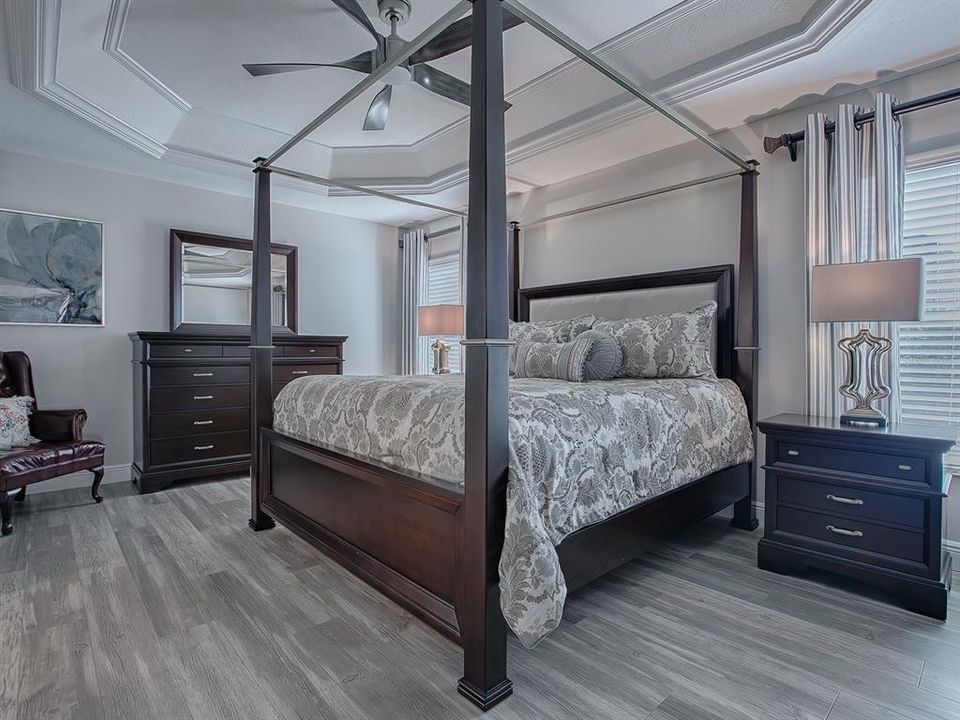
[640, 295]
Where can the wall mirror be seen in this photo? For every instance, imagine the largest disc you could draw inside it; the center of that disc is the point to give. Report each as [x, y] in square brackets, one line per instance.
[211, 281]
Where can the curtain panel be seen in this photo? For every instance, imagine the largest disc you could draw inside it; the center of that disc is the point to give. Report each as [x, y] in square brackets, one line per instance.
[853, 210]
[414, 350]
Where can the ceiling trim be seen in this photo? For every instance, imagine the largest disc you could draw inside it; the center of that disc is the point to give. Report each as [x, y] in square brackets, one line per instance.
[113, 35]
[625, 108]
[33, 31]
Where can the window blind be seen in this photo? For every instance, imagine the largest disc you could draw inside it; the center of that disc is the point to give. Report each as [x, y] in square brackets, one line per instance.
[930, 350]
[443, 288]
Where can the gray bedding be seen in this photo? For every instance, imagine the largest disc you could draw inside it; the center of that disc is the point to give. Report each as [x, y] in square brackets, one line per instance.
[579, 453]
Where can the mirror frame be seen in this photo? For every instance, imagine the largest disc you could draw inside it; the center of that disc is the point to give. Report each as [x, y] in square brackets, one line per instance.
[177, 240]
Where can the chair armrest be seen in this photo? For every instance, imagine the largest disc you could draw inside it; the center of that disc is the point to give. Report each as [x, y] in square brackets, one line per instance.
[58, 425]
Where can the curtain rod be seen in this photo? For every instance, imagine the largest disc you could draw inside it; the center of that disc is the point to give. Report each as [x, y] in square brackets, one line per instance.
[790, 140]
[445, 231]
[638, 196]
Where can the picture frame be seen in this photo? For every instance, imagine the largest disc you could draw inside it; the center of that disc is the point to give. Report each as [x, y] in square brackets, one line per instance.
[51, 270]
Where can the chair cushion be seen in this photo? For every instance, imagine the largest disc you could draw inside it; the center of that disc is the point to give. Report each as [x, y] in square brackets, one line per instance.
[47, 460]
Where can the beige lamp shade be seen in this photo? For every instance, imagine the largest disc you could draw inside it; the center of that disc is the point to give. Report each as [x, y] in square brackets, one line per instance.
[440, 320]
[881, 291]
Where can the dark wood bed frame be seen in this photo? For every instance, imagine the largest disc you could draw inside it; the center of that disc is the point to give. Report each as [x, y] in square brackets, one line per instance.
[433, 548]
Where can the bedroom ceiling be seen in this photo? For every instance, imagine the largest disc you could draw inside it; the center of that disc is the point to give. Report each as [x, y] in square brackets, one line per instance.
[164, 78]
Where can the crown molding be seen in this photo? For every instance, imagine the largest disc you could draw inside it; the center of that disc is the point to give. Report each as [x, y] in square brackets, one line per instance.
[112, 36]
[624, 108]
[33, 31]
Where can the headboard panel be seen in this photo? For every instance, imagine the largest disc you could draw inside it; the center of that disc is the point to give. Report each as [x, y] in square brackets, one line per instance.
[639, 295]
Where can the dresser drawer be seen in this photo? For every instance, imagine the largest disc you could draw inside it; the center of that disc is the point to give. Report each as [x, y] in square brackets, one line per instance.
[864, 504]
[286, 373]
[200, 375]
[237, 351]
[310, 351]
[201, 422]
[165, 399]
[186, 351]
[868, 463]
[855, 534]
[200, 447]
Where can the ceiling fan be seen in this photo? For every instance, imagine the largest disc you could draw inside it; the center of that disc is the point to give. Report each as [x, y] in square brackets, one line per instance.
[415, 69]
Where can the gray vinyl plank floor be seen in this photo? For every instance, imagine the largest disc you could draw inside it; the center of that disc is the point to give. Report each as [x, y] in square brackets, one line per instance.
[168, 606]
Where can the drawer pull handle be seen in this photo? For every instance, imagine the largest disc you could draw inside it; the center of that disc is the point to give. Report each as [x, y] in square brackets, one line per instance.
[203, 397]
[793, 453]
[845, 500]
[188, 349]
[311, 350]
[905, 467]
[203, 447]
[203, 374]
[843, 531]
[299, 372]
[203, 422]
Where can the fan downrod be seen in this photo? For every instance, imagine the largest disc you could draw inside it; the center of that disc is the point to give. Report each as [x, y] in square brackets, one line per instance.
[394, 12]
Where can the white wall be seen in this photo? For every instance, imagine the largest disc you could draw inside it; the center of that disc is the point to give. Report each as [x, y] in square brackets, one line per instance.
[348, 273]
[699, 226]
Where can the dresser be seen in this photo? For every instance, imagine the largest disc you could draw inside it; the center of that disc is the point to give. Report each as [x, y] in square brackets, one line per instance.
[860, 501]
[191, 396]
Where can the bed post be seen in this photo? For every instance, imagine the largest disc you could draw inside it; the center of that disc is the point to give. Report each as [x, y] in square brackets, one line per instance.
[744, 512]
[514, 268]
[261, 345]
[482, 628]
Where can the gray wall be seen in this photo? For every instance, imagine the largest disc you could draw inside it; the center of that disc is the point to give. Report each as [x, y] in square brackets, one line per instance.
[699, 226]
[348, 271]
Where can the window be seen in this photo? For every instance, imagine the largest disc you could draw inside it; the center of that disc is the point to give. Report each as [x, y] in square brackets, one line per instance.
[443, 288]
[930, 350]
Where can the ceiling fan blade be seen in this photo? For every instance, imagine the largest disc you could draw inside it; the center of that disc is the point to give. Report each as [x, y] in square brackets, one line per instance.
[353, 9]
[379, 109]
[444, 84]
[361, 63]
[455, 38]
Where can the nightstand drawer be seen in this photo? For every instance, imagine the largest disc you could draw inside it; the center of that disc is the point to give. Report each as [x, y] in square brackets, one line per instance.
[868, 463]
[855, 534]
[864, 504]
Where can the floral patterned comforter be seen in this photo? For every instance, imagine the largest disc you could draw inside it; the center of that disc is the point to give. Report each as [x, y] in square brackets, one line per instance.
[579, 453]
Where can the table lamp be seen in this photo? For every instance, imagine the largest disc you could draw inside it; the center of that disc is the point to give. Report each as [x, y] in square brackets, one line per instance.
[865, 292]
[440, 320]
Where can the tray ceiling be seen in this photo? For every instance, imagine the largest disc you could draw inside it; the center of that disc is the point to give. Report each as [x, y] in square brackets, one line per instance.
[165, 78]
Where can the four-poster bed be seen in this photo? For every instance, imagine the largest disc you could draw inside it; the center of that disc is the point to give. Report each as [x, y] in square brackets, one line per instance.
[435, 548]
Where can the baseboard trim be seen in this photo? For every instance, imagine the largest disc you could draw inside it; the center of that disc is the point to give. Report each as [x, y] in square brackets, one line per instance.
[111, 474]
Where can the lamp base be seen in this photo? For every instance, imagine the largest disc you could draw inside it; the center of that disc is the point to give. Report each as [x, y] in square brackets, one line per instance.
[874, 349]
[441, 355]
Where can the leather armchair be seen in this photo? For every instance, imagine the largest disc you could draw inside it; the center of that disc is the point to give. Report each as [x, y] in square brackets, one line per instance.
[62, 449]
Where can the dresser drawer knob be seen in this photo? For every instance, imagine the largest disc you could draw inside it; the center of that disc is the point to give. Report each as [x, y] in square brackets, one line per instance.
[793, 453]
[203, 374]
[844, 500]
[203, 397]
[203, 447]
[844, 531]
[203, 422]
[299, 372]
[904, 466]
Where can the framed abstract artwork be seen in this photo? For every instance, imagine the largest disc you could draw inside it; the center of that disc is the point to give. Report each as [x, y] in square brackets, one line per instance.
[51, 270]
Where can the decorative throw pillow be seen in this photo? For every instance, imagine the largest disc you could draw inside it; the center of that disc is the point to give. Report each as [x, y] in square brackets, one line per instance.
[589, 356]
[546, 331]
[605, 357]
[674, 345]
[15, 422]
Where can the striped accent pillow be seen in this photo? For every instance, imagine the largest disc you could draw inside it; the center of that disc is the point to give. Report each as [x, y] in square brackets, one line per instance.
[589, 356]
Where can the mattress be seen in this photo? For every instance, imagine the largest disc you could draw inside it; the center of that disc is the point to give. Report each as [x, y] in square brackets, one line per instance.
[579, 453]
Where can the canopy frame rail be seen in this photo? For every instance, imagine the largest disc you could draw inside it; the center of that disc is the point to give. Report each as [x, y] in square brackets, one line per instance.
[791, 140]
[589, 57]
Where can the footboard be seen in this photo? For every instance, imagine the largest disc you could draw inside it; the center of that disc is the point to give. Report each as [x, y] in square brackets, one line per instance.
[398, 533]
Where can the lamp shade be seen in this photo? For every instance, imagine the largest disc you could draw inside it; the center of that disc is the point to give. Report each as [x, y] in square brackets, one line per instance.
[881, 291]
[440, 320]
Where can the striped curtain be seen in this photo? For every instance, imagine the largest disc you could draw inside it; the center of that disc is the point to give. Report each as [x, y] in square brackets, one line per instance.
[415, 350]
[853, 206]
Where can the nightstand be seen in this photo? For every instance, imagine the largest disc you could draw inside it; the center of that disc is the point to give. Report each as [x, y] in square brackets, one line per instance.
[860, 501]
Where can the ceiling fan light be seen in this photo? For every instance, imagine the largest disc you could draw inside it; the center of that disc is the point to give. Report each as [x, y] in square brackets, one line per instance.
[397, 76]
